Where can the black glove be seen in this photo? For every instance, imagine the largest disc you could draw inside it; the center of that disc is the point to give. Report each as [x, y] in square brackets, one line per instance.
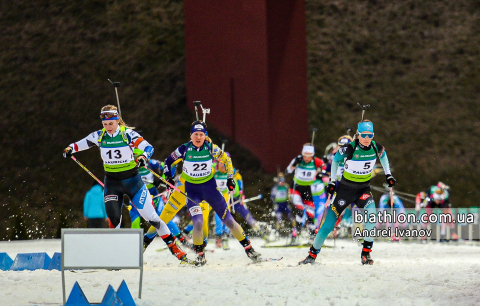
[171, 181]
[390, 180]
[231, 184]
[331, 187]
[68, 152]
[321, 174]
[142, 161]
[298, 160]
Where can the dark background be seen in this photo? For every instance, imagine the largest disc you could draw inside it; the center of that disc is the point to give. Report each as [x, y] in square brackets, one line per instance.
[415, 62]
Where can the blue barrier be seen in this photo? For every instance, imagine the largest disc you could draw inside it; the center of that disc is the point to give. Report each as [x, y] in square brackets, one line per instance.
[30, 261]
[111, 298]
[77, 297]
[125, 295]
[121, 297]
[5, 261]
[56, 262]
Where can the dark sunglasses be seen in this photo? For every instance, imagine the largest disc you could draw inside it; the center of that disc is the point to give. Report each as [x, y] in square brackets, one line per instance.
[366, 135]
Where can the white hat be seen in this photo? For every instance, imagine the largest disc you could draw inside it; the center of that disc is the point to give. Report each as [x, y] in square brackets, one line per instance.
[308, 150]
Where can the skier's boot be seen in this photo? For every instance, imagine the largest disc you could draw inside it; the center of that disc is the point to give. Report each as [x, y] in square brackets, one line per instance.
[146, 242]
[200, 260]
[367, 248]
[251, 253]
[183, 240]
[218, 241]
[175, 249]
[225, 242]
[312, 255]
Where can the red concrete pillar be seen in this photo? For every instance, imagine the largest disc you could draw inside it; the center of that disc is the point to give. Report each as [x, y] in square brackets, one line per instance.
[246, 61]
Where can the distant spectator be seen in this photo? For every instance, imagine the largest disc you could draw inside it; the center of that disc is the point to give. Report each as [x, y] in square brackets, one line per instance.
[94, 207]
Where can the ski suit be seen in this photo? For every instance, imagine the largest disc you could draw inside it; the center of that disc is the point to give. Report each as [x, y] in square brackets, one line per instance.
[280, 195]
[354, 186]
[121, 174]
[437, 198]
[301, 195]
[200, 185]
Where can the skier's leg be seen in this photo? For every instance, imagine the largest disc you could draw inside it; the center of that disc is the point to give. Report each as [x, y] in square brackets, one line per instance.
[195, 192]
[366, 203]
[134, 216]
[299, 209]
[113, 197]
[219, 205]
[246, 215]
[175, 202]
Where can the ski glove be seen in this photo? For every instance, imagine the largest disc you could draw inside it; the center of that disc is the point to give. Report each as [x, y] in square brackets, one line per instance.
[231, 184]
[298, 160]
[142, 161]
[68, 152]
[171, 181]
[331, 187]
[390, 180]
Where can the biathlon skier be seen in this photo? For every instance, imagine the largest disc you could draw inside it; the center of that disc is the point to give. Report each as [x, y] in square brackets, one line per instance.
[221, 231]
[354, 187]
[280, 195]
[117, 142]
[198, 156]
[437, 196]
[308, 169]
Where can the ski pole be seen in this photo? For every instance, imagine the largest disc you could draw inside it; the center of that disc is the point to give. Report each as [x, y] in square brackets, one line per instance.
[230, 200]
[391, 204]
[88, 171]
[116, 85]
[313, 134]
[110, 225]
[253, 198]
[166, 182]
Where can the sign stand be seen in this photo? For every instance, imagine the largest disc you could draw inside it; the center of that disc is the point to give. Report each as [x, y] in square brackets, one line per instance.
[102, 249]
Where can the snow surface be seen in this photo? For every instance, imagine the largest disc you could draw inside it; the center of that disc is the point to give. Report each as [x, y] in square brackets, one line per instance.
[403, 274]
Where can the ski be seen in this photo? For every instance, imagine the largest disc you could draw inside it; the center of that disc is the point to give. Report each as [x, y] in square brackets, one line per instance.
[294, 246]
[166, 248]
[265, 260]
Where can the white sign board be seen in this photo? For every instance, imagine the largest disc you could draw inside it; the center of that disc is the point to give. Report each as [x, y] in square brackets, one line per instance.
[102, 249]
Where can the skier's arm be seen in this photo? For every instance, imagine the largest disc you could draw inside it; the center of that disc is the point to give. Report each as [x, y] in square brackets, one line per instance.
[137, 141]
[217, 153]
[291, 166]
[341, 154]
[382, 154]
[173, 158]
[273, 192]
[86, 143]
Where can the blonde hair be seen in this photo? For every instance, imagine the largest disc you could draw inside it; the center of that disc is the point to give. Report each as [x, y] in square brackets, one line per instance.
[345, 136]
[120, 120]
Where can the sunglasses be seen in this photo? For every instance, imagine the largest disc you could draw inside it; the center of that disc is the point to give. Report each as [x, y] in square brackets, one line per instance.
[366, 135]
[108, 113]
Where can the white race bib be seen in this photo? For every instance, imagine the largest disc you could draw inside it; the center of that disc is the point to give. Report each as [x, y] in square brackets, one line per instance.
[221, 184]
[197, 169]
[305, 175]
[116, 156]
